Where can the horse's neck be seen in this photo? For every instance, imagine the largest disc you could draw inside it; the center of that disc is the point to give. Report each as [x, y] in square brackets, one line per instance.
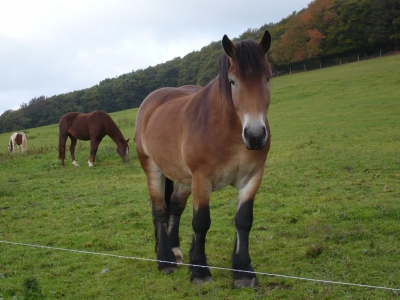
[209, 106]
[114, 133]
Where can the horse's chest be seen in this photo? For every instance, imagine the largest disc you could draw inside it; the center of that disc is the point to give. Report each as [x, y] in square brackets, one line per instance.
[236, 175]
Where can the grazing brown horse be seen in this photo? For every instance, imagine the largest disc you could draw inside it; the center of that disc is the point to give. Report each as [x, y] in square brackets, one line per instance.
[203, 139]
[17, 139]
[94, 127]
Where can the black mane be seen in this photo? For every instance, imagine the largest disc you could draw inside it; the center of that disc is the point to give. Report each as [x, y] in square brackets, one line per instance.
[250, 63]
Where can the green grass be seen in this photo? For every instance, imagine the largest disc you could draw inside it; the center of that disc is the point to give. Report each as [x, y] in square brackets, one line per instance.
[328, 208]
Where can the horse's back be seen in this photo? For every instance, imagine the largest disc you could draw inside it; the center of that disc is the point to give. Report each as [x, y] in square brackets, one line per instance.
[158, 98]
[163, 95]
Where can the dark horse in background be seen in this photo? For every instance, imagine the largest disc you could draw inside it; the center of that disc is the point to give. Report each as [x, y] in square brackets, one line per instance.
[194, 140]
[94, 127]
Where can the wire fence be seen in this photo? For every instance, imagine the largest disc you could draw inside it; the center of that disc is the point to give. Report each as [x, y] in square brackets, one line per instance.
[394, 290]
[332, 60]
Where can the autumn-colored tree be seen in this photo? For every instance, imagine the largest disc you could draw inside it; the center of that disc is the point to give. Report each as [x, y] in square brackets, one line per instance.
[305, 33]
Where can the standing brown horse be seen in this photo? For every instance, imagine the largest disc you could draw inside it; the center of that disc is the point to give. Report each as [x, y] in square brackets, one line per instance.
[94, 127]
[204, 139]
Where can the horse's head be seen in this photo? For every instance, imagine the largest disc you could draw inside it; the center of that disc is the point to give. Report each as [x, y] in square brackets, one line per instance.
[244, 77]
[123, 149]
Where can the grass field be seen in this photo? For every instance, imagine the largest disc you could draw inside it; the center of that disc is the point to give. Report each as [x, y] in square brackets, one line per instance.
[328, 208]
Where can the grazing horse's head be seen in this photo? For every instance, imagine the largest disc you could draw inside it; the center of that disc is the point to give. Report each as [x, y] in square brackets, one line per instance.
[123, 149]
[244, 79]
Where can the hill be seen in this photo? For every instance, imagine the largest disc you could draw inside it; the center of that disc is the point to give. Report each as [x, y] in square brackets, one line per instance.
[326, 33]
[328, 207]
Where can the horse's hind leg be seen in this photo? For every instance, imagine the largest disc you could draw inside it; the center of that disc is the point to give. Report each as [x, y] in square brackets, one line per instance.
[156, 187]
[62, 139]
[72, 151]
[177, 204]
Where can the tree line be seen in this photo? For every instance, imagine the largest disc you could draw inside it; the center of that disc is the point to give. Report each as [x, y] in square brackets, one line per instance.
[323, 30]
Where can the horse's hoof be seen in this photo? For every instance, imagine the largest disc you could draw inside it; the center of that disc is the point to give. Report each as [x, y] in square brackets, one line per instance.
[245, 282]
[200, 281]
[169, 270]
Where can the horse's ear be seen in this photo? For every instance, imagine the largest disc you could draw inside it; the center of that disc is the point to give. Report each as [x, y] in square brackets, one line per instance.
[229, 46]
[128, 140]
[265, 42]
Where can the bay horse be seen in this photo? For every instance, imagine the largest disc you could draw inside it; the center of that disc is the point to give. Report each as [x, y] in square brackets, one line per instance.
[18, 139]
[94, 127]
[194, 140]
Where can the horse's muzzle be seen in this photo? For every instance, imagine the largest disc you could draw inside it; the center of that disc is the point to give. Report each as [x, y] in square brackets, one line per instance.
[255, 139]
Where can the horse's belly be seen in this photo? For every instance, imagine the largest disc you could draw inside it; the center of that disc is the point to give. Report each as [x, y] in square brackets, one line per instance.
[80, 135]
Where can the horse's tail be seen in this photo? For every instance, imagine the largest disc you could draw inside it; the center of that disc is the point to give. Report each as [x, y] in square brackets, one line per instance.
[24, 142]
[169, 188]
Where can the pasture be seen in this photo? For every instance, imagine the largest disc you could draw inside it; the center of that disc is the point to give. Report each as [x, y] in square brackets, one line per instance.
[328, 207]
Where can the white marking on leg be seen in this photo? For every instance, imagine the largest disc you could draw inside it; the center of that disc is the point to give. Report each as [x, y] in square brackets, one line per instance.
[170, 224]
[237, 242]
[178, 255]
[90, 163]
[75, 163]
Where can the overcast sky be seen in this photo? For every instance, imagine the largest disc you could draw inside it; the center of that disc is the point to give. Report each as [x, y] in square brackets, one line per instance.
[51, 47]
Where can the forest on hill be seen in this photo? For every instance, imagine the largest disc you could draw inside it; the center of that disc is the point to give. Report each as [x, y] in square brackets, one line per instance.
[321, 34]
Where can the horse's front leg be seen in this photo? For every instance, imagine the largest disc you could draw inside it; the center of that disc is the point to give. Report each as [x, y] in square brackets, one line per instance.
[177, 205]
[201, 189]
[243, 222]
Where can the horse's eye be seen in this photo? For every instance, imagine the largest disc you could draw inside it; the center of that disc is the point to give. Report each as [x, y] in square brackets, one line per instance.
[231, 82]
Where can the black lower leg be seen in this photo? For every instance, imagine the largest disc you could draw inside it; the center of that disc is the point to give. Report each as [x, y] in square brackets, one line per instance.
[201, 223]
[163, 247]
[241, 258]
[175, 211]
[168, 189]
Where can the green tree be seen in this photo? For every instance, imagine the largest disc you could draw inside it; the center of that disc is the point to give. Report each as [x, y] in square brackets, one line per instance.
[382, 26]
[349, 30]
[91, 98]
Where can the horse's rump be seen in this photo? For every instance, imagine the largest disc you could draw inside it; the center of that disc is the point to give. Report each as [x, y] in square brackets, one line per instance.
[76, 125]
